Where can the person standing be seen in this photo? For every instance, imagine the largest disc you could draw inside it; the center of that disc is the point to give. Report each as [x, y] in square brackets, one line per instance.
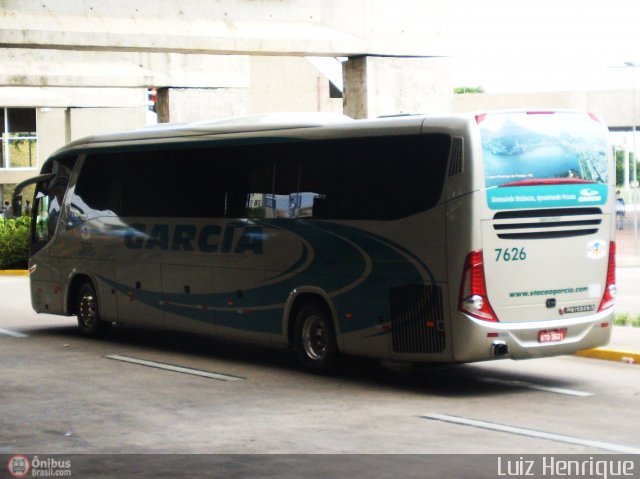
[6, 210]
[620, 211]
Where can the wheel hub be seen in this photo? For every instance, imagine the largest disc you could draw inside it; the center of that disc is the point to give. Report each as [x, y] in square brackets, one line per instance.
[314, 338]
[87, 310]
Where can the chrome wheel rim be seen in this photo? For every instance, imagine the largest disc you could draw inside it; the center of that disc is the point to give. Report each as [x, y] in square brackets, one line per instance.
[314, 338]
[87, 310]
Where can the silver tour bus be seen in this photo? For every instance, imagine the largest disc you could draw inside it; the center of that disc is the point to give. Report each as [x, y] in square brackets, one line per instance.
[451, 238]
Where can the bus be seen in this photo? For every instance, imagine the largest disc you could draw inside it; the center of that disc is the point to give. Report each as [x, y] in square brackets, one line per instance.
[454, 238]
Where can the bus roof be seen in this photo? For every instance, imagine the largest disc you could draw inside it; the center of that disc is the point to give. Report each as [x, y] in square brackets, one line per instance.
[236, 125]
[275, 125]
[265, 126]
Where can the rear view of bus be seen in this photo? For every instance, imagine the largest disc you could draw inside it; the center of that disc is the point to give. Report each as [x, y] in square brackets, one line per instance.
[543, 281]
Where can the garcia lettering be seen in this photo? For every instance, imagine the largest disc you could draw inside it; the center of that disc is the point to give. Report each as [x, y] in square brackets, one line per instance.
[235, 238]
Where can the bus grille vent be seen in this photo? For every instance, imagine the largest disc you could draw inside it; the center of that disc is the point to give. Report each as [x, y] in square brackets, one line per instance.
[456, 156]
[546, 224]
[417, 323]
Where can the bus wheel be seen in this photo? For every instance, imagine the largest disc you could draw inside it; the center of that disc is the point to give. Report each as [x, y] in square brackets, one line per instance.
[88, 314]
[315, 340]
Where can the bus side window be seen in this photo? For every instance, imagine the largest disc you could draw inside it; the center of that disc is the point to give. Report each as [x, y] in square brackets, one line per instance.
[319, 209]
[260, 201]
[98, 192]
[305, 178]
[48, 202]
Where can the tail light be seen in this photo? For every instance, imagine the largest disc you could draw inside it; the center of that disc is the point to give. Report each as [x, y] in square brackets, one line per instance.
[473, 289]
[595, 117]
[610, 289]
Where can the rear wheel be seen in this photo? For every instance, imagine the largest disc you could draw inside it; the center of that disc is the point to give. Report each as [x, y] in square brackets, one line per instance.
[315, 339]
[88, 313]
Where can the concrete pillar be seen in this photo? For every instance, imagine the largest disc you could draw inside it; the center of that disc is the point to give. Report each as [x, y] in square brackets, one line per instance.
[289, 84]
[180, 105]
[53, 131]
[375, 86]
[83, 122]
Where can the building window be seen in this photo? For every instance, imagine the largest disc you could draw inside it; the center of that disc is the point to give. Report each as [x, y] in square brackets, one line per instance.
[19, 144]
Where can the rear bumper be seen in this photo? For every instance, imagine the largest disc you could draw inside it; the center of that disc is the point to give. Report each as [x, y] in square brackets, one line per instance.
[475, 340]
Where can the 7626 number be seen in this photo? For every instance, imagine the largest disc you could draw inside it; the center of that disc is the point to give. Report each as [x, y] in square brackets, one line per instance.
[510, 254]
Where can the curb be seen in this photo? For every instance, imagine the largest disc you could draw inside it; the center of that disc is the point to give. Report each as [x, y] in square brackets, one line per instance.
[610, 355]
[14, 272]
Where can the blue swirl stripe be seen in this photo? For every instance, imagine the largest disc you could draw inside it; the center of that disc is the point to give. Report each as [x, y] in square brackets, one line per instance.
[355, 267]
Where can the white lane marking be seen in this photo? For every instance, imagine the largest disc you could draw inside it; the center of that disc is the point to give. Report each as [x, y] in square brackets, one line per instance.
[532, 433]
[537, 387]
[178, 369]
[13, 334]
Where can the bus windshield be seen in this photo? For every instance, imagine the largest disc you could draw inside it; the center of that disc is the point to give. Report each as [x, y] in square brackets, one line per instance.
[533, 151]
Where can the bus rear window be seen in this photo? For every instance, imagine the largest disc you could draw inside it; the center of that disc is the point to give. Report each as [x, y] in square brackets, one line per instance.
[554, 158]
[521, 148]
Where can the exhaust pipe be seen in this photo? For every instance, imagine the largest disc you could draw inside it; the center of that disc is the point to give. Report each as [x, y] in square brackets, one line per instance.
[499, 349]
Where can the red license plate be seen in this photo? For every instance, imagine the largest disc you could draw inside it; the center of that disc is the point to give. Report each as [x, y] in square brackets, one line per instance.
[551, 335]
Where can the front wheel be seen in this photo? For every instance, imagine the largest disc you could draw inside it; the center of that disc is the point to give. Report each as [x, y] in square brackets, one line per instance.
[88, 313]
[315, 340]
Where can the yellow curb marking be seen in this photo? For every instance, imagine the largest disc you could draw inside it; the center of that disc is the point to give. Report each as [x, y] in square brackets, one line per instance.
[610, 355]
[14, 272]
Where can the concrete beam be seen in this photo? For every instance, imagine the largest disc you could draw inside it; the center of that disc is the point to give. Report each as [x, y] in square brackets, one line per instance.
[91, 121]
[258, 27]
[53, 97]
[68, 68]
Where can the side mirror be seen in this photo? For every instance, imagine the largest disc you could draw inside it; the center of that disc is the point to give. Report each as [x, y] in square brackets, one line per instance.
[16, 202]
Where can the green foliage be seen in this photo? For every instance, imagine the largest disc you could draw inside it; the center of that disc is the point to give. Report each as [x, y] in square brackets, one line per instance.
[14, 243]
[625, 319]
[620, 167]
[468, 89]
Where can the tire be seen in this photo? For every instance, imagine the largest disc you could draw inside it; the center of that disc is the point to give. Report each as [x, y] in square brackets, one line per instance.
[315, 339]
[88, 313]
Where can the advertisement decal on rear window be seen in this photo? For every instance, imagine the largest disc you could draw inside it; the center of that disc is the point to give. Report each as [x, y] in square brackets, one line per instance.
[544, 161]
